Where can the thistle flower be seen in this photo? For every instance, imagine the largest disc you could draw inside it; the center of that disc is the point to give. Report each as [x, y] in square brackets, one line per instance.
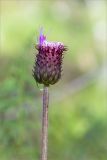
[47, 71]
[48, 63]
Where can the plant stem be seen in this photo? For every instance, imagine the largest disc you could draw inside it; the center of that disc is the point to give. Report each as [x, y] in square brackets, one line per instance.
[44, 135]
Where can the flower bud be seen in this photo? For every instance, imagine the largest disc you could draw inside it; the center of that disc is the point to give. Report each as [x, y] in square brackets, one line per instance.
[48, 62]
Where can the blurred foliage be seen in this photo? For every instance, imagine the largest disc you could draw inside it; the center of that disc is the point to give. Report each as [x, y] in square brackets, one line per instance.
[77, 123]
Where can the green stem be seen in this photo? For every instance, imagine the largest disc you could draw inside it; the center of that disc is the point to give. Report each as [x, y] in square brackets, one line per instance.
[44, 140]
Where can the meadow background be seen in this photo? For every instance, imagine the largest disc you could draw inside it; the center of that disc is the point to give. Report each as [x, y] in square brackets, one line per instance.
[78, 102]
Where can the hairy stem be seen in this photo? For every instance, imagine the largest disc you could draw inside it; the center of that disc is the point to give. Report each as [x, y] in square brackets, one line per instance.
[44, 135]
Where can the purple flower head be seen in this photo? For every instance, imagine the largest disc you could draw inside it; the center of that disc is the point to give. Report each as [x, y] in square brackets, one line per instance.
[48, 63]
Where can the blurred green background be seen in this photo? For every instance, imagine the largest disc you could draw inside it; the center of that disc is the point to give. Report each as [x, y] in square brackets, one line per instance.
[78, 110]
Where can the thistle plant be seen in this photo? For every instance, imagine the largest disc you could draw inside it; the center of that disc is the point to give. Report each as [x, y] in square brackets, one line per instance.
[47, 71]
